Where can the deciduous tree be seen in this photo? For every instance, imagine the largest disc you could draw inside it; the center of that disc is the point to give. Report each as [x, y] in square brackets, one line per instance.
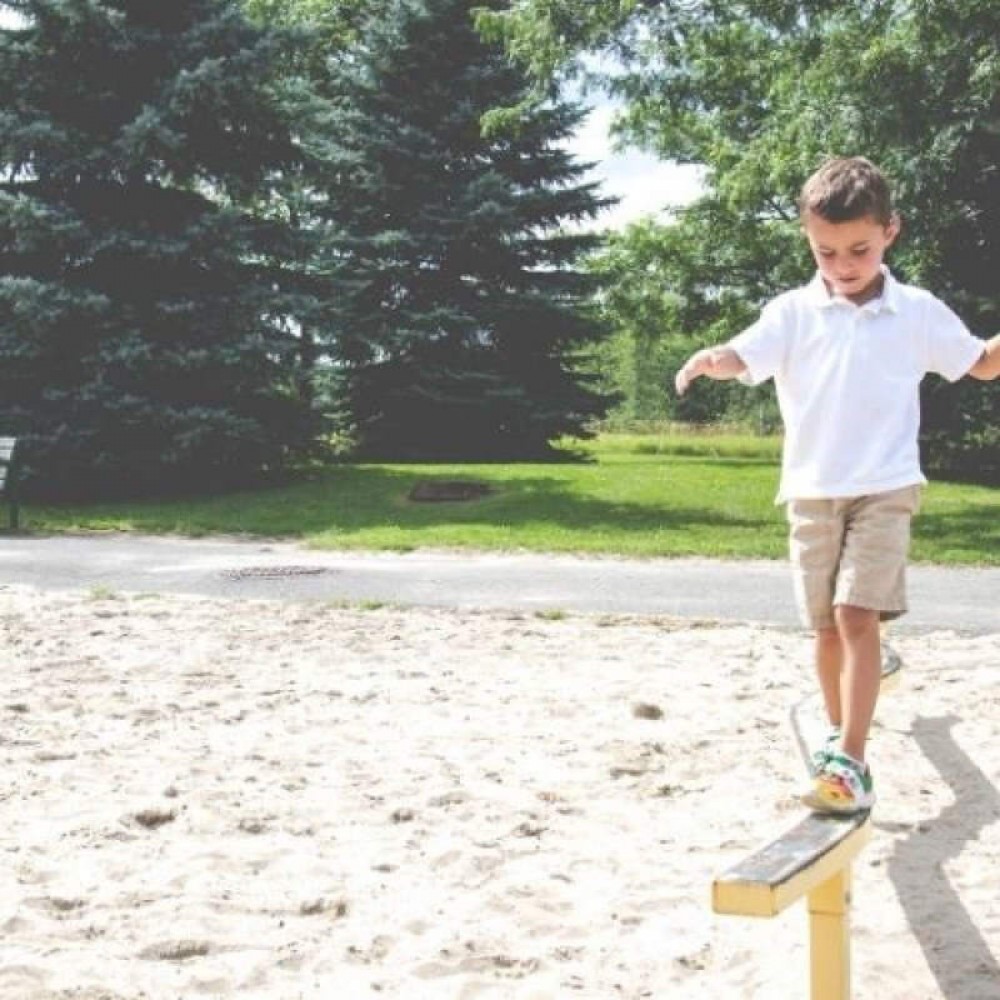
[760, 93]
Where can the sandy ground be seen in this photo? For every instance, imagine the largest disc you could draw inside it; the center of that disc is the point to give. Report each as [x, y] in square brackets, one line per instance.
[202, 798]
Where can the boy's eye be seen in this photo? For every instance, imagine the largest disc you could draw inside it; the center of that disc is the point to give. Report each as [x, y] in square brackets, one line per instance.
[826, 253]
[859, 251]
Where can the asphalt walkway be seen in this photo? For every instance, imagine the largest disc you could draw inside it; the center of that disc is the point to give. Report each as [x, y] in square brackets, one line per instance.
[964, 600]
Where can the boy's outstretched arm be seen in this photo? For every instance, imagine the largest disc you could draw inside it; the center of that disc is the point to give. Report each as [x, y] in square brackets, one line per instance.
[988, 366]
[714, 362]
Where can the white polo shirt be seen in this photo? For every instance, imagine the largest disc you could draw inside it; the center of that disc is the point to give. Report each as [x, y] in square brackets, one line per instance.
[848, 380]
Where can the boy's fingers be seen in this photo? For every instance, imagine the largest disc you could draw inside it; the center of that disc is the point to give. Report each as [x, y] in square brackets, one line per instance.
[688, 373]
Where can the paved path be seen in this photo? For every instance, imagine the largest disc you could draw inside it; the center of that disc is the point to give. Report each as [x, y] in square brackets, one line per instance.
[965, 600]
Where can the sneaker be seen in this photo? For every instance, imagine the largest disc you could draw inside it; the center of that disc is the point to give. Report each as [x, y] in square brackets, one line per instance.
[825, 752]
[892, 665]
[843, 787]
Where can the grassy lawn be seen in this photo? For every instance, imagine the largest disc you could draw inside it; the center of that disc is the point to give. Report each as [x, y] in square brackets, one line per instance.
[669, 494]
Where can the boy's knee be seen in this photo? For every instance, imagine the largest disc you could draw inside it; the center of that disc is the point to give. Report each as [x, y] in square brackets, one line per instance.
[854, 622]
[828, 636]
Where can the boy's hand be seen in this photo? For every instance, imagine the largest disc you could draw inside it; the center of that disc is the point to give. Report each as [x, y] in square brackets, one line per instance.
[988, 366]
[713, 362]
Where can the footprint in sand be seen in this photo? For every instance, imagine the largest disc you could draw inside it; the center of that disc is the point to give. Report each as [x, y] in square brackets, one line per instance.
[176, 951]
[499, 966]
[56, 905]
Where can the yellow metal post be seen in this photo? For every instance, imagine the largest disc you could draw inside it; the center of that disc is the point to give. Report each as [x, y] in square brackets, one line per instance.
[830, 938]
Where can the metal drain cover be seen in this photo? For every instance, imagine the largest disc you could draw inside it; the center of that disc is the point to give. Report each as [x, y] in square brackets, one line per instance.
[272, 572]
[445, 490]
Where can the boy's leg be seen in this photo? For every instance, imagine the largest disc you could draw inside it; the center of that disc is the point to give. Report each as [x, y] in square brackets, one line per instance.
[870, 587]
[829, 667]
[816, 529]
[843, 782]
[816, 532]
[859, 684]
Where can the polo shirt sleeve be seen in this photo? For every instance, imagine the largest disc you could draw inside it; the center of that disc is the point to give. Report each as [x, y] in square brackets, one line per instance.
[950, 350]
[763, 346]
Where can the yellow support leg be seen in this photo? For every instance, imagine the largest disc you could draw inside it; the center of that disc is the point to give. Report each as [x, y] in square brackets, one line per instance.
[830, 938]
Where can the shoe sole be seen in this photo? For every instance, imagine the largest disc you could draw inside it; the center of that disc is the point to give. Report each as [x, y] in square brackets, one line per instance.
[812, 801]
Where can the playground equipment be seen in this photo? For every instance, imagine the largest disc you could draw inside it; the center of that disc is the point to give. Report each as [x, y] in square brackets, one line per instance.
[813, 859]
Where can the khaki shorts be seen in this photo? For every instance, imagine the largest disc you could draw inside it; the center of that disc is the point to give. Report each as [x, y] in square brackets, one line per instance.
[851, 551]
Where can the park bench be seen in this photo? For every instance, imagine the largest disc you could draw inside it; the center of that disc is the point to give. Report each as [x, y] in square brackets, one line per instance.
[8, 477]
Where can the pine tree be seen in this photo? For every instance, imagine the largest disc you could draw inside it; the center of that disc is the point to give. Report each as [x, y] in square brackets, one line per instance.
[144, 342]
[459, 309]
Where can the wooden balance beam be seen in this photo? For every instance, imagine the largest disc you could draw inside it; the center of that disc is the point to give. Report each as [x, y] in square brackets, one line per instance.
[813, 859]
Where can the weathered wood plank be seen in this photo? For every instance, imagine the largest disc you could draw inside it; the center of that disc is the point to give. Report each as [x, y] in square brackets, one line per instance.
[767, 881]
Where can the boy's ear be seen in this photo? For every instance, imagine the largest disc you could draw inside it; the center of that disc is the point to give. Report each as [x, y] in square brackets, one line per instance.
[893, 228]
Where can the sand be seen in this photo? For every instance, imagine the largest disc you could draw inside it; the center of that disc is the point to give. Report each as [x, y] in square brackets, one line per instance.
[202, 798]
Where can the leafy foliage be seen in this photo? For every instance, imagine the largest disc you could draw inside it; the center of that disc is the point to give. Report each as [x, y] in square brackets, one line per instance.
[664, 286]
[760, 93]
[458, 306]
[143, 336]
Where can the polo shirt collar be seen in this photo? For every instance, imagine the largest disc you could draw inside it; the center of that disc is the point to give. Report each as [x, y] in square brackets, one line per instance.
[888, 301]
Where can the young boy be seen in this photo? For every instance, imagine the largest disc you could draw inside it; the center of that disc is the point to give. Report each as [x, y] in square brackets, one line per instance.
[847, 353]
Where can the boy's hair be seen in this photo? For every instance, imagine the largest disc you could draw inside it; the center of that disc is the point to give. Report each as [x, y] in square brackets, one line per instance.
[846, 188]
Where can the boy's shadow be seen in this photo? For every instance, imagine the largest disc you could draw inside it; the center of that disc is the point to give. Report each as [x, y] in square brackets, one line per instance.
[961, 960]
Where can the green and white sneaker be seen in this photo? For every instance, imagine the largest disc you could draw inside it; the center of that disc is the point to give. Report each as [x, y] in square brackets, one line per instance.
[843, 787]
[825, 752]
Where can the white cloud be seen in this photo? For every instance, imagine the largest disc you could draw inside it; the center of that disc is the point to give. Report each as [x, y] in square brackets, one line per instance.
[645, 184]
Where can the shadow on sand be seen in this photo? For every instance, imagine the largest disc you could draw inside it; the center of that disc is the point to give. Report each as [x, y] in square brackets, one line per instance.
[956, 952]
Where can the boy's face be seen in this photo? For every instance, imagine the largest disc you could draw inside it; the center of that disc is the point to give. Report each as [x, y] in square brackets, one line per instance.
[849, 254]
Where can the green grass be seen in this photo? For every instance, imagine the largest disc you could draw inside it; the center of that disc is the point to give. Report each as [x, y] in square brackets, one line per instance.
[639, 495]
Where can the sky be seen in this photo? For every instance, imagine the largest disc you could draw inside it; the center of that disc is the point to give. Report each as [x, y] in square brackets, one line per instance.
[645, 184]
